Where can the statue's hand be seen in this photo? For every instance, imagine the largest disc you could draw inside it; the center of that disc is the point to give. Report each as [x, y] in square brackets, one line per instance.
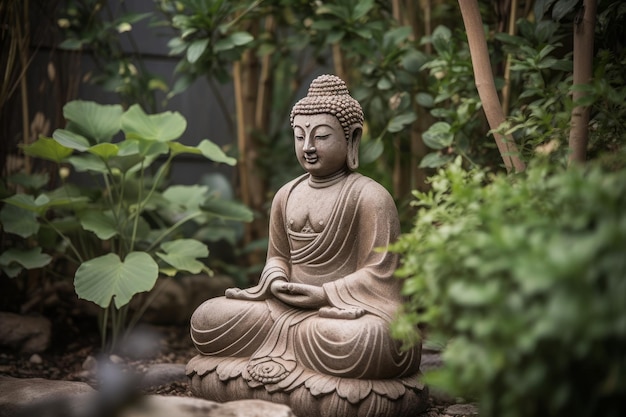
[299, 295]
[239, 294]
[261, 291]
[341, 313]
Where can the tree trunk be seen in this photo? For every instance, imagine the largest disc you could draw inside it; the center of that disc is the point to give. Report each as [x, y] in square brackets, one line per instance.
[583, 72]
[485, 84]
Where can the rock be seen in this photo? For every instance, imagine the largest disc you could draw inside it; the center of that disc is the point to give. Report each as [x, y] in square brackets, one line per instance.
[163, 406]
[162, 374]
[430, 361]
[90, 364]
[24, 397]
[35, 358]
[116, 359]
[252, 408]
[200, 288]
[462, 410]
[38, 397]
[175, 299]
[28, 334]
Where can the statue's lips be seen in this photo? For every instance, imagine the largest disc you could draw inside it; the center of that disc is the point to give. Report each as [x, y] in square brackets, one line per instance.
[310, 159]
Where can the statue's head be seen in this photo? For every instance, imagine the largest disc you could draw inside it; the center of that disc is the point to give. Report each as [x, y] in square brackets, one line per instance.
[328, 95]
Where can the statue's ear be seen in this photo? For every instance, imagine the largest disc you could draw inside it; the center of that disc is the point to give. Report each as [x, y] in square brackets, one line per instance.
[353, 147]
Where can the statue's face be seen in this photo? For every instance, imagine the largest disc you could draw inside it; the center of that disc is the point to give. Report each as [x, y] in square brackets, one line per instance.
[320, 144]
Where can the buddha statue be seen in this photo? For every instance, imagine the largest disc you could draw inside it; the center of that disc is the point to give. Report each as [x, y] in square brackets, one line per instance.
[314, 333]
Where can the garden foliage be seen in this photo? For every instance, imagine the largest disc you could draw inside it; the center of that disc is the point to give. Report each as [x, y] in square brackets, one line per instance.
[116, 227]
[521, 278]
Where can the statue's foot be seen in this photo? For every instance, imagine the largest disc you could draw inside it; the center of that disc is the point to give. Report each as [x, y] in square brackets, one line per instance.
[306, 392]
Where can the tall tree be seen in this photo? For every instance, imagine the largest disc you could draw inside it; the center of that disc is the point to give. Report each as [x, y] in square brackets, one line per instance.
[485, 83]
[584, 27]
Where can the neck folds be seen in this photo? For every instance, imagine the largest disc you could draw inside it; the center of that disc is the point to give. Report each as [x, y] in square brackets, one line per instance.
[323, 182]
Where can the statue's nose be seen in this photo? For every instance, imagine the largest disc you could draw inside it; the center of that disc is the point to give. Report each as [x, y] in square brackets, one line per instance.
[308, 146]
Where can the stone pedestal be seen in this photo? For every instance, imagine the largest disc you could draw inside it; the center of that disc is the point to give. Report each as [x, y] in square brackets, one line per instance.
[307, 393]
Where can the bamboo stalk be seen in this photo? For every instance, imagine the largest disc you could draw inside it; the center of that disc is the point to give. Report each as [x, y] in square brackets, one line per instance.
[24, 38]
[338, 61]
[261, 118]
[506, 90]
[486, 85]
[583, 72]
[242, 163]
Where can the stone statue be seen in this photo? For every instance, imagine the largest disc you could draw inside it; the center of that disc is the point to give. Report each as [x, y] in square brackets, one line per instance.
[314, 333]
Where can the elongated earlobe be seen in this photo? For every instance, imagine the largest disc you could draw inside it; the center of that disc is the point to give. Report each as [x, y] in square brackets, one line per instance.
[353, 147]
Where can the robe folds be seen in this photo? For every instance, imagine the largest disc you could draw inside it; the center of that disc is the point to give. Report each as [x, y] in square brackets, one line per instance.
[350, 338]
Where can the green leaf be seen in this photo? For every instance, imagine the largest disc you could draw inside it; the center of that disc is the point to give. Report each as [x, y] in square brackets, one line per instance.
[413, 61]
[213, 152]
[71, 140]
[196, 49]
[335, 10]
[28, 258]
[87, 163]
[104, 150]
[162, 127]
[425, 100]
[133, 17]
[434, 160]
[47, 148]
[26, 202]
[241, 38]
[105, 278]
[396, 36]
[182, 254]
[438, 136]
[441, 38]
[97, 122]
[149, 148]
[12, 270]
[384, 84]
[71, 44]
[362, 8]
[223, 45]
[401, 121]
[102, 223]
[32, 181]
[19, 221]
[178, 148]
[188, 196]
[471, 295]
[562, 8]
[371, 150]
[125, 163]
[227, 209]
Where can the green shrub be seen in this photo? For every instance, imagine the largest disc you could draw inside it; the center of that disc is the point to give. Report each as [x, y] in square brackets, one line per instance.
[523, 278]
[118, 233]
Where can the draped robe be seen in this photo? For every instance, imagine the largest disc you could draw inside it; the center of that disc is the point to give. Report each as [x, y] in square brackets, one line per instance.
[347, 339]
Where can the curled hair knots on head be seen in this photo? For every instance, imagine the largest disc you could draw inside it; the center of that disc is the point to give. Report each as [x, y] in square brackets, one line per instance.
[329, 94]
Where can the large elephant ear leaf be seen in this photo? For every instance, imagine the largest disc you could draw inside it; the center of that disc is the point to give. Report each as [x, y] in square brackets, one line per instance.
[162, 127]
[97, 122]
[183, 255]
[107, 277]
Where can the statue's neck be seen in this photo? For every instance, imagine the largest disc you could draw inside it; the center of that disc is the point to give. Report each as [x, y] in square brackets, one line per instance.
[327, 181]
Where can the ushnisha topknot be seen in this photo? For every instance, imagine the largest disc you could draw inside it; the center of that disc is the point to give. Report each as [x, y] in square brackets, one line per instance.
[329, 94]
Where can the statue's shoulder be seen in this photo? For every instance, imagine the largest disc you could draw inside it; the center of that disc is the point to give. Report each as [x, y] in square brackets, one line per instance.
[283, 192]
[369, 186]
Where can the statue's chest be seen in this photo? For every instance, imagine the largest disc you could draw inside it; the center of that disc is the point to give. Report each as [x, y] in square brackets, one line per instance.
[309, 209]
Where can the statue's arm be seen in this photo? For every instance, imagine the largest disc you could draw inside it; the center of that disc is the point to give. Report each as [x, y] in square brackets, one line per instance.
[372, 287]
[261, 291]
[276, 269]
